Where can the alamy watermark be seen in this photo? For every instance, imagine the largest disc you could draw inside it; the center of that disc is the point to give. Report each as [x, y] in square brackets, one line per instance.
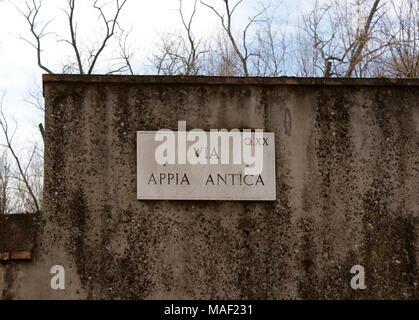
[211, 147]
[358, 280]
[58, 280]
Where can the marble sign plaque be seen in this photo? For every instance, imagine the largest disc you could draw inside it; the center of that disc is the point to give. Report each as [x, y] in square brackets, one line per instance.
[212, 178]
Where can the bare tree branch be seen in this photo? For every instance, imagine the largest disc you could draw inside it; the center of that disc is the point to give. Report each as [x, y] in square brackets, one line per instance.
[362, 40]
[226, 22]
[38, 30]
[23, 172]
[110, 25]
[32, 11]
[73, 33]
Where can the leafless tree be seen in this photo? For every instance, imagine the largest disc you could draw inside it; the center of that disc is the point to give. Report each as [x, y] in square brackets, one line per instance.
[270, 49]
[5, 175]
[402, 28]
[167, 59]
[363, 36]
[353, 38]
[35, 98]
[25, 185]
[345, 36]
[126, 53]
[180, 52]
[191, 62]
[82, 64]
[225, 15]
[221, 59]
[305, 57]
[223, 53]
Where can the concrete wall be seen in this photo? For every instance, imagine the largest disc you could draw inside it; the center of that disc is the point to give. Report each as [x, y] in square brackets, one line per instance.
[17, 233]
[347, 192]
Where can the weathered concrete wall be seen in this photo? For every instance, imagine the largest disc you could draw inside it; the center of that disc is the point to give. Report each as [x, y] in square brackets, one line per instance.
[17, 233]
[347, 187]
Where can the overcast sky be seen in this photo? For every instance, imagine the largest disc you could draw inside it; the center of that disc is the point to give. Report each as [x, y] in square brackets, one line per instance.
[19, 73]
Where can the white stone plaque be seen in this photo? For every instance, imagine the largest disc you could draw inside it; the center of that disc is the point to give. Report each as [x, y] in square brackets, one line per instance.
[217, 176]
